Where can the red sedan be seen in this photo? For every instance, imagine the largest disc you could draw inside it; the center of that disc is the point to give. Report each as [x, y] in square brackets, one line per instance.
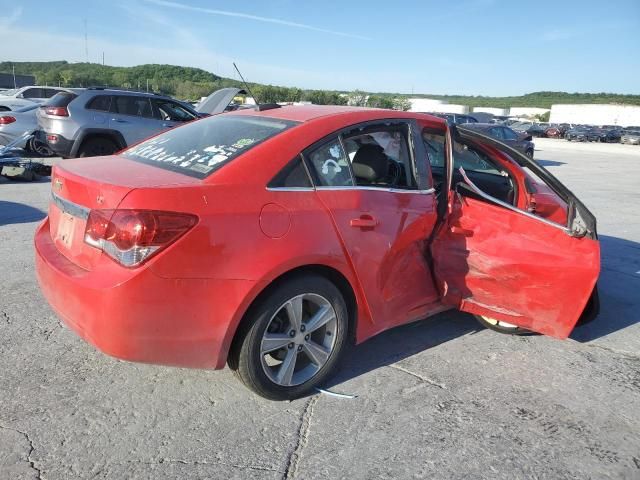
[270, 239]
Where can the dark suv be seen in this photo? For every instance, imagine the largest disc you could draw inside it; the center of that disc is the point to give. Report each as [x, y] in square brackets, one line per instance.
[519, 141]
[101, 121]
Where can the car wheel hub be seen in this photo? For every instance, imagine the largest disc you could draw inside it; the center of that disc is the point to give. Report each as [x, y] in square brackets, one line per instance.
[298, 340]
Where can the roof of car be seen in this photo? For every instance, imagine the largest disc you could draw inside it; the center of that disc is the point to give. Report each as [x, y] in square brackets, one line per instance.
[305, 113]
[482, 126]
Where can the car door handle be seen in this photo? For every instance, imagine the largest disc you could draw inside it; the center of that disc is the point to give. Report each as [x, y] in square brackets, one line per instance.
[168, 125]
[462, 231]
[365, 221]
[119, 120]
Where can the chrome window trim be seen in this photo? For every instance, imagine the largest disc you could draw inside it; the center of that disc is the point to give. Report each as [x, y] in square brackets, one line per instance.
[69, 207]
[381, 189]
[290, 189]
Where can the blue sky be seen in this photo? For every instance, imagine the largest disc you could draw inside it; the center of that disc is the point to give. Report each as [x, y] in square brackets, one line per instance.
[472, 47]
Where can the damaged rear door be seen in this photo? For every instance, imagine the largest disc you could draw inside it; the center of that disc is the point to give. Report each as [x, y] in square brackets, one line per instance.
[495, 260]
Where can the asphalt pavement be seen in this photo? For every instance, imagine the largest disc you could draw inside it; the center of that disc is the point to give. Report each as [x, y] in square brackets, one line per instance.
[440, 398]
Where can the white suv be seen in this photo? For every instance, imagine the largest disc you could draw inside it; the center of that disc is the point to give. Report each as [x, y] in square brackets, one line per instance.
[22, 97]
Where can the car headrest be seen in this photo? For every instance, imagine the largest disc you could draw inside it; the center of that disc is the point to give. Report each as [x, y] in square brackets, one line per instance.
[370, 163]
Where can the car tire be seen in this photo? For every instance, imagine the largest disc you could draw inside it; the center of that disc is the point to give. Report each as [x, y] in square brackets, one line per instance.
[500, 326]
[96, 147]
[529, 153]
[39, 148]
[273, 338]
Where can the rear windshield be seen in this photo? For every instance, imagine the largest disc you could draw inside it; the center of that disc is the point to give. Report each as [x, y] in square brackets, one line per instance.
[61, 99]
[201, 147]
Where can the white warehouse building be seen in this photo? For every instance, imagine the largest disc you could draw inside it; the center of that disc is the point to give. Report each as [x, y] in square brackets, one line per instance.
[596, 114]
[436, 106]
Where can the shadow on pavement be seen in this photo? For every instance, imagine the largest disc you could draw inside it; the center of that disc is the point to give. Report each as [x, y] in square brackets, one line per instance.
[396, 344]
[549, 163]
[619, 289]
[11, 213]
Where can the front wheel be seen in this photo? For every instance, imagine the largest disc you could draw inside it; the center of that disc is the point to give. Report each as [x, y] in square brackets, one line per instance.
[292, 339]
[500, 326]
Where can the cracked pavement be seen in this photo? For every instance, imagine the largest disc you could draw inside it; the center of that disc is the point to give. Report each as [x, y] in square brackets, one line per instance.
[440, 398]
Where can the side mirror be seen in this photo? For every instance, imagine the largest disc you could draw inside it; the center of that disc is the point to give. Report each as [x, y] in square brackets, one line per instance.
[528, 138]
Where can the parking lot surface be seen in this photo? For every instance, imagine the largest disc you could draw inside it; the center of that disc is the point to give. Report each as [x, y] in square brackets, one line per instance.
[441, 398]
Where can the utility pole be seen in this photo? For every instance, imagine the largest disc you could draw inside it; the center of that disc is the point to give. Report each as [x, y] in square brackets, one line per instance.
[14, 76]
[86, 42]
[103, 59]
[147, 84]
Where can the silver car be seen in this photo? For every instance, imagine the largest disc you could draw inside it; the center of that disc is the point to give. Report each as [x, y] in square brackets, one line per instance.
[101, 121]
[630, 136]
[16, 124]
[25, 96]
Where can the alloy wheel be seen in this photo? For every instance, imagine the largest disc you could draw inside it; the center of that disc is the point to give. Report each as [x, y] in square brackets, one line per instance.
[298, 340]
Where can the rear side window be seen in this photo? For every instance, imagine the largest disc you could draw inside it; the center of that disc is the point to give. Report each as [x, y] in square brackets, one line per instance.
[199, 148]
[33, 93]
[294, 175]
[101, 103]
[130, 105]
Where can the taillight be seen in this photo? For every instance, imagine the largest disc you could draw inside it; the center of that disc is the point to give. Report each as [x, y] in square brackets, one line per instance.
[6, 120]
[132, 236]
[57, 111]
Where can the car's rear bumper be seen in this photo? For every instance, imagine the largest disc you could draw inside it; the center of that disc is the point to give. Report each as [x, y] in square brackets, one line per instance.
[62, 147]
[134, 314]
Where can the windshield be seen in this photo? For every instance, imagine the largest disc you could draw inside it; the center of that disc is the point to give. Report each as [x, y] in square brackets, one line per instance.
[199, 148]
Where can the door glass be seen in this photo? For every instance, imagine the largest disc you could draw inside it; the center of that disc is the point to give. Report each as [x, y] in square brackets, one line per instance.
[380, 157]
[496, 133]
[101, 103]
[32, 93]
[135, 106]
[329, 165]
[509, 134]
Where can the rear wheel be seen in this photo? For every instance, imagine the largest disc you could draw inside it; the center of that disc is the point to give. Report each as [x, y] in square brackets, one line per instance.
[529, 153]
[97, 146]
[500, 326]
[293, 338]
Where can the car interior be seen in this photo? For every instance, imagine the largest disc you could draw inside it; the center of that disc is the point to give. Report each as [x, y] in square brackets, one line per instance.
[479, 167]
[374, 157]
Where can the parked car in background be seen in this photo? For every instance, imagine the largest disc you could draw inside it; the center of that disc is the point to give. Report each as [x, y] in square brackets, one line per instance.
[456, 118]
[16, 123]
[581, 133]
[101, 121]
[25, 96]
[553, 131]
[521, 142]
[537, 129]
[610, 134]
[211, 260]
[630, 136]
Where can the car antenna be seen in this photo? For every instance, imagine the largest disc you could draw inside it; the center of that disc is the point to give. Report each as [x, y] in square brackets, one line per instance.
[246, 85]
[260, 107]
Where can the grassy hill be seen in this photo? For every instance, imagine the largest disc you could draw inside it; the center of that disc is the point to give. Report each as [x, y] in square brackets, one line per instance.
[189, 83]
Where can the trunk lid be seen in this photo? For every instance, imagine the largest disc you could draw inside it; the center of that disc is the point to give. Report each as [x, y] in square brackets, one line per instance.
[78, 186]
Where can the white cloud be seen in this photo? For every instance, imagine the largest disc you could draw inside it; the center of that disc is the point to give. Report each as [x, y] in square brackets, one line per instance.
[277, 21]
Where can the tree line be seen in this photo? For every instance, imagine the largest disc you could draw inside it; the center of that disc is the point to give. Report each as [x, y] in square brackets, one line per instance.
[187, 83]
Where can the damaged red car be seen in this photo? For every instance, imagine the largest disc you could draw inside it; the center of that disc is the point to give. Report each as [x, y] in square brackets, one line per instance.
[270, 239]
